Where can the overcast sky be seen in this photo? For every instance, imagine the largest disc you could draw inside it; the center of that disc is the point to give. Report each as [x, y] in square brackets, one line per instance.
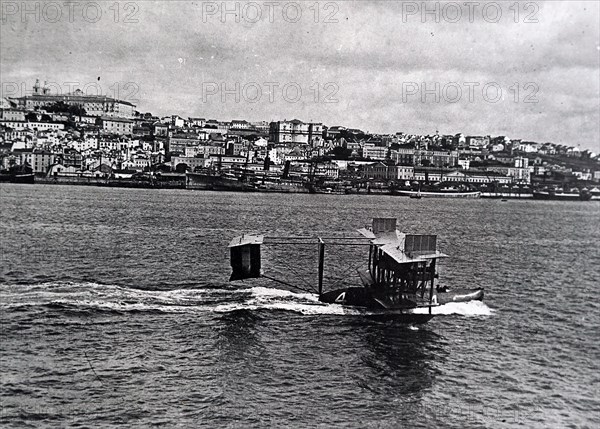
[358, 64]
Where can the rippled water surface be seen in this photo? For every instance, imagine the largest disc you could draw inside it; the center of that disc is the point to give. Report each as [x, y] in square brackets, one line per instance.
[115, 310]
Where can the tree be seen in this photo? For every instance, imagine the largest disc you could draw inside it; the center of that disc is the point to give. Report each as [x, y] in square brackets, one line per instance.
[182, 167]
[62, 107]
[340, 152]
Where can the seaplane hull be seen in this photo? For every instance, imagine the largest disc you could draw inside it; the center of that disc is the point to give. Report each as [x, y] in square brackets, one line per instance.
[379, 307]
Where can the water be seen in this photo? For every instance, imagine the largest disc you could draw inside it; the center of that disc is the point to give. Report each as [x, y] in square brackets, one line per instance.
[116, 310]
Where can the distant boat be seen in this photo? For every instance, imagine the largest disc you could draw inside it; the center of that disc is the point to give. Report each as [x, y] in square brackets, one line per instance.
[439, 194]
[562, 196]
[217, 182]
[23, 178]
[18, 174]
[335, 191]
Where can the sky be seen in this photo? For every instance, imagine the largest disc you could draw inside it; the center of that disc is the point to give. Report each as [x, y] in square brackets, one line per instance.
[528, 70]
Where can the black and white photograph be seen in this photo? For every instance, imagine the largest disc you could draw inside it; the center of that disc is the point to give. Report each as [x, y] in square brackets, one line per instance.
[299, 214]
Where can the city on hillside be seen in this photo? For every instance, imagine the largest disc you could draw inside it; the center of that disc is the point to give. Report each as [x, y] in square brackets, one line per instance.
[89, 139]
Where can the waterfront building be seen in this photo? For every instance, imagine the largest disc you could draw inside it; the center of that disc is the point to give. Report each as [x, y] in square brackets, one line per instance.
[39, 160]
[192, 163]
[404, 172]
[471, 176]
[381, 172]
[62, 170]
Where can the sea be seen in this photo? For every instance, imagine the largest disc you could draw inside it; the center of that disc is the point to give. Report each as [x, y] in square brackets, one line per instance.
[116, 310]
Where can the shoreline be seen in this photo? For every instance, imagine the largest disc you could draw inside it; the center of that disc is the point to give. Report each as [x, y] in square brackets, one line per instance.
[181, 184]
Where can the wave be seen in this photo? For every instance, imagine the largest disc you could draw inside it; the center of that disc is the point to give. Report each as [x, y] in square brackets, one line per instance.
[103, 297]
[271, 299]
[91, 297]
[471, 308]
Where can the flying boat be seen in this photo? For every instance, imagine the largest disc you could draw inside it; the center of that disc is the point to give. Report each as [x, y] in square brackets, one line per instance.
[399, 278]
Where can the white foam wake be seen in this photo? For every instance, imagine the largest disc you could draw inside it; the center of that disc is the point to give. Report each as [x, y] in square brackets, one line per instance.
[305, 303]
[263, 298]
[119, 298]
[471, 308]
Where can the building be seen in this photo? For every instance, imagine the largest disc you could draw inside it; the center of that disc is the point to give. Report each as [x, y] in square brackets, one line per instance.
[12, 115]
[94, 105]
[207, 150]
[465, 164]
[138, 163]
[160, 129]
[39, 161]
[70, 158]
[378, 171]
[371, 151]
[24, 125]
[474, 177]
[87, 143]
[520, 172]
[434, 158]
[177, 121]
[404, 172]
[403, 155]
[213, 126]
[178, 142]
[294, 131]
[197, 122]
[477, 142]
[240, 125]
[115, 125]
[261, 127]
[62, 170]
[329, 170]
